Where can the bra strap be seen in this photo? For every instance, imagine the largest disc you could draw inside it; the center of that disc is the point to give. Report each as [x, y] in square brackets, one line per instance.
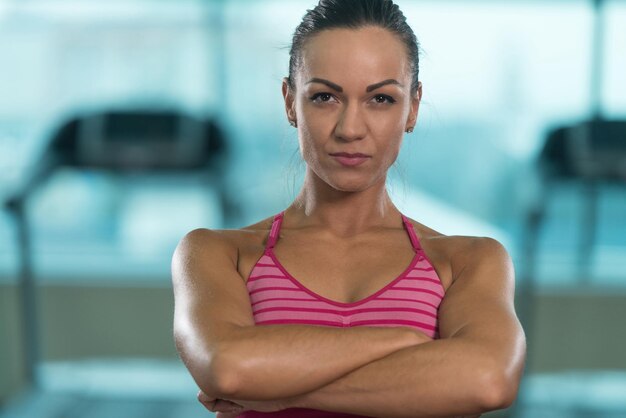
[412, 235]
[273, 237]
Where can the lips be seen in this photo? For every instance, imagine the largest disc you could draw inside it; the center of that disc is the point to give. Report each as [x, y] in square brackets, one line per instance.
[348, 155]
[350, 160]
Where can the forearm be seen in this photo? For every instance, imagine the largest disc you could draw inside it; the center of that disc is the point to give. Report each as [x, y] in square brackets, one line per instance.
[279, 361]
[441, 378]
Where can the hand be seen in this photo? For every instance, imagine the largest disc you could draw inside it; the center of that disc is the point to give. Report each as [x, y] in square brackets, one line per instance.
[224, 408]
[267, 406]
[231, 408]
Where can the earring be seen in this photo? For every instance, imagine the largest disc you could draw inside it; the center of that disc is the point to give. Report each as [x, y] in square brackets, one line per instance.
[409, 130]
[293, 123]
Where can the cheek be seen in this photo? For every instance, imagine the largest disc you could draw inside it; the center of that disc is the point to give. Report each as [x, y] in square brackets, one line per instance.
[313, 136]
[391, 151]
[390, 125]
[307, 148]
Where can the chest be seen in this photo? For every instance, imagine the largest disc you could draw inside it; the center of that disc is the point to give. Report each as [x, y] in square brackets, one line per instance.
[411, 299]
[345, 274]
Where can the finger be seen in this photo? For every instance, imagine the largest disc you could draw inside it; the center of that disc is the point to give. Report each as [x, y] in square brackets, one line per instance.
[209, 405]
[203, 397]
[206, 401]
[223, 405]
[227, 404]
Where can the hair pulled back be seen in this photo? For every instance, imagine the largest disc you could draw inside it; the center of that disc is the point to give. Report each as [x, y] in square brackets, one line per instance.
[354, 14]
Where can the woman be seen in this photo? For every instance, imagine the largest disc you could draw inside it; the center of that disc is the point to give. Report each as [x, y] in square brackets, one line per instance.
[299, 313]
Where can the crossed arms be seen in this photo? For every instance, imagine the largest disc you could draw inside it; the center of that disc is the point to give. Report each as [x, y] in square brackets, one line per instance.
[475, 367]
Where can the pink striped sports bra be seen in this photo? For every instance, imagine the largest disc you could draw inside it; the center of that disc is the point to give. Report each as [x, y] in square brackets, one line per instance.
[412, 299]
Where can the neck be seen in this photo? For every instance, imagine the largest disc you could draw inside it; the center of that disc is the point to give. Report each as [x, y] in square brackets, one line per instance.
[343, 213]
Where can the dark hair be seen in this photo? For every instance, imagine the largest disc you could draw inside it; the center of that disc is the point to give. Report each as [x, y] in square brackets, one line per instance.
[354, 14]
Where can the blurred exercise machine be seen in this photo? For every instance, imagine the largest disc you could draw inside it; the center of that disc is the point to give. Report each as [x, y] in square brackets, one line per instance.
[587, 154]
[120, 142]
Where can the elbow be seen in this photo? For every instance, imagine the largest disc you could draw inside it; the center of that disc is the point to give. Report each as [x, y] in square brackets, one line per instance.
[225, 379]
[213, 375]
[497, 391]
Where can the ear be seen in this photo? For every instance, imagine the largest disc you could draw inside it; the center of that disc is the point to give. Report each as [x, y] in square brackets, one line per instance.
[415, 105]
[290, 101]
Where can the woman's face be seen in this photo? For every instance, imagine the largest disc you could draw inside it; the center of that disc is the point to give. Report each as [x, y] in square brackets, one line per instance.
[352, 94]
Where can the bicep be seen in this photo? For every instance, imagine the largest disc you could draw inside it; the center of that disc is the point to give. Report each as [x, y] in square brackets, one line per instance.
[481, 299]
[479, 307]
[478, 310]
[211, 302]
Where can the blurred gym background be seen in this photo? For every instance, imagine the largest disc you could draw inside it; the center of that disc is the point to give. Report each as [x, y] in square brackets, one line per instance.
[126, 124]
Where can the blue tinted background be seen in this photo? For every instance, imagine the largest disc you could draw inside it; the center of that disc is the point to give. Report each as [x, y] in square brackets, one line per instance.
[496, 75]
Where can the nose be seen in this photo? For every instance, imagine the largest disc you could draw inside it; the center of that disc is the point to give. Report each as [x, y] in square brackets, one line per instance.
[351, 124]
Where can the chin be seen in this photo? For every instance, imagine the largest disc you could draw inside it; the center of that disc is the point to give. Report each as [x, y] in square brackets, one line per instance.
[351, 185]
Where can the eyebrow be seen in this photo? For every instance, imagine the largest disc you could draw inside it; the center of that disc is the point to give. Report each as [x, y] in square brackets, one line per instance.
[368, 89]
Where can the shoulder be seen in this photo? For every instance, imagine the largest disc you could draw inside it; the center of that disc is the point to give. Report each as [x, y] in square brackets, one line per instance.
[484, 263]
[206, 240]
[202, 245]
[462, 251]
[476, 251]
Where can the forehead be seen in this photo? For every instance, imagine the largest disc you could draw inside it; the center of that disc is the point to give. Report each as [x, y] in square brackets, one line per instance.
[366, 55]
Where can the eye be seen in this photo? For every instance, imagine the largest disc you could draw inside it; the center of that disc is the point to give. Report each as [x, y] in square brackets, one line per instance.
[325, 97]
[384, 97]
